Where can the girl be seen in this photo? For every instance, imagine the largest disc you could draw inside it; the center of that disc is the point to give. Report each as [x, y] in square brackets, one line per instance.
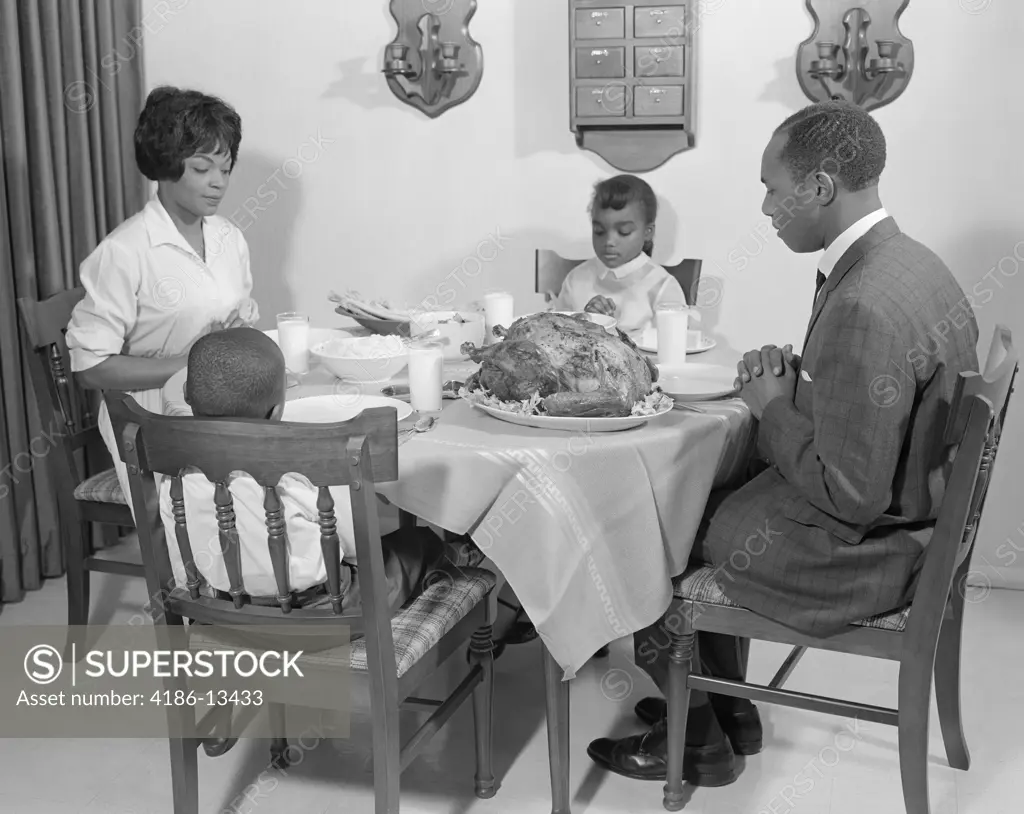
[171, 273]
[621, 281]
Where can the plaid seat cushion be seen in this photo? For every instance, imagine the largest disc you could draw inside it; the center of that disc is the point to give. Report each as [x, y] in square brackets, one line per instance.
[416, 628]
[699, 585]
[101, 488]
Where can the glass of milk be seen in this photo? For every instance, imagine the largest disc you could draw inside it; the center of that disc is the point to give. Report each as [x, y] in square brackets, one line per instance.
[499, 309]
[426, 368]
[693, 329]
[293, 337]
[672, 323]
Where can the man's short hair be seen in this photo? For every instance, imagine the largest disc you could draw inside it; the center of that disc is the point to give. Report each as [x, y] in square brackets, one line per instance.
[237, 373]
[176, 124]
[837, 138]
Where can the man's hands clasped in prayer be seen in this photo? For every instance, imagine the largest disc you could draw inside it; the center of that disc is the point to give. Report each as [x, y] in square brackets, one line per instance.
[765, 375]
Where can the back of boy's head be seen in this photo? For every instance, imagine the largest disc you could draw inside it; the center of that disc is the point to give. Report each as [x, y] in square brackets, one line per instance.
[622, 190]
[236, 373]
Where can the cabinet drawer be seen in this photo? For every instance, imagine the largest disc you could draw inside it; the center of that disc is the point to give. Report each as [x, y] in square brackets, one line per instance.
[660, 21]
[598, 63]
[600, 23]
[607, 100]
[659, 61]
[658, 101]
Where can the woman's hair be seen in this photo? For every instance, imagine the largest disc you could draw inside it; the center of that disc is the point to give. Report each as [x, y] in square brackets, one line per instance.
[176, 124]
[617, 192]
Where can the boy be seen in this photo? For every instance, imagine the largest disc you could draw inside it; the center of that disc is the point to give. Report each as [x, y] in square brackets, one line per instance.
[240, 373]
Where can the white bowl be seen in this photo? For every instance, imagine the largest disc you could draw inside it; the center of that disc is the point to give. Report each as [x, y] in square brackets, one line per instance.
[453, 333]
[316, 335]
[363, 358]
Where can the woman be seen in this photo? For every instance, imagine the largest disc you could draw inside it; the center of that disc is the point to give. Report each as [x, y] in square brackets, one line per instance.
[171, 273]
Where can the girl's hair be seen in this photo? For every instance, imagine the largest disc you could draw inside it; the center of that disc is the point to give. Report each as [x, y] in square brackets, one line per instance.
[617, 192]
[176, 124]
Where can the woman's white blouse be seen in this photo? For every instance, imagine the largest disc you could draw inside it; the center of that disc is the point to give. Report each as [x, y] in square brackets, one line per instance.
[149, 295]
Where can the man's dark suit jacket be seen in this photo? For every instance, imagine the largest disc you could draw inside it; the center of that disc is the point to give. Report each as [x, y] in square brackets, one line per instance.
[834, 530]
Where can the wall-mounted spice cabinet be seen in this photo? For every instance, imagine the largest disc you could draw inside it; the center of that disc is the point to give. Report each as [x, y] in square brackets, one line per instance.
[632, 80]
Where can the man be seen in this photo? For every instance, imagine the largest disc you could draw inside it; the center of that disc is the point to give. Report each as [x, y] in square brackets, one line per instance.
[833, 529]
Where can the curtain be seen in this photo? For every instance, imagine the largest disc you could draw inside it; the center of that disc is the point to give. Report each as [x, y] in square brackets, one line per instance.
[71, 89]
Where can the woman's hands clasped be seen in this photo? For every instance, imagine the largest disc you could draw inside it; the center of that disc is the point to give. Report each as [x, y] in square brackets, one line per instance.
[244, 316]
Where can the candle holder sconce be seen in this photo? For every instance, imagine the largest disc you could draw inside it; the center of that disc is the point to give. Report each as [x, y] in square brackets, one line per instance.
[433, 64]
[837, 61]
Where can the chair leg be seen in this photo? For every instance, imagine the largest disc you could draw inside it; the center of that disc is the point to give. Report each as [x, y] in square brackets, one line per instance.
[947, 681]
[278, 740]
[678, 698]
[915, 692]
[557, 701]
[181, 722]
[75, 555]
[481, 649]
[387, 767]
[184, 771]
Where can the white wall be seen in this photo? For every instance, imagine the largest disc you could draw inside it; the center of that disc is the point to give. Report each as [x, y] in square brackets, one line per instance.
[362, 191]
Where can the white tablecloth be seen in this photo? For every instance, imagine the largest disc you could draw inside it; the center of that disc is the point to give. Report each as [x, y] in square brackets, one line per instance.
[588, 528]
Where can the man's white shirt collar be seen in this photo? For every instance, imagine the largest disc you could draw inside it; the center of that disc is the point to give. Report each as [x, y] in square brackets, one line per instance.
[839, 246]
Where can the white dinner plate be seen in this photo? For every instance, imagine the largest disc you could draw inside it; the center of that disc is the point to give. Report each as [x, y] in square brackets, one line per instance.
[341, 407]
[651, 346]
[573, 423]
[697, 382]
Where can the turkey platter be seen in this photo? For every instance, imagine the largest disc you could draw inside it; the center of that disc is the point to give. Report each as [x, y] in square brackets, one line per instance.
[560, 365]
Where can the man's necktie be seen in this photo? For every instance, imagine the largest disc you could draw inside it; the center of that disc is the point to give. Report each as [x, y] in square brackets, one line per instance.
[817, 288]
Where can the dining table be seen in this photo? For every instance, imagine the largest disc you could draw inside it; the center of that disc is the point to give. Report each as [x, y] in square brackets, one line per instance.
[589, 528]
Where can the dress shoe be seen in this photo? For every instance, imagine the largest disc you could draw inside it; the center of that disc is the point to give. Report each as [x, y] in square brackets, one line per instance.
[642, 757]
[742, 725]
[215, 747]
[521, 630]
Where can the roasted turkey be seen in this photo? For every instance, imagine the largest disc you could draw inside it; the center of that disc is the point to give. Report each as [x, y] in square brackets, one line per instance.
[576, 366]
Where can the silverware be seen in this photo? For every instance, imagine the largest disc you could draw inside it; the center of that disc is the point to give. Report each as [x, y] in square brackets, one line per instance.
[449, 389]
[425, 424]
[679, 405]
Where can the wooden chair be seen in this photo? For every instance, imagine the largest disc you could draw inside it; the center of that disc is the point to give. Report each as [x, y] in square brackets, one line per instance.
[552, 269]
[394, 655]
[923, 637]
[81, 501]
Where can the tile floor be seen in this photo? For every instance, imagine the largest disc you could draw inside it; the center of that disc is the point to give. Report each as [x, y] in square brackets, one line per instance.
[812, 764]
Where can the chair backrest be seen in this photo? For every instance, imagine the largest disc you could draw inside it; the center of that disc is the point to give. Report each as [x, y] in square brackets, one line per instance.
[552, 269]
[64, 407]
[977, 412]
[358, 453]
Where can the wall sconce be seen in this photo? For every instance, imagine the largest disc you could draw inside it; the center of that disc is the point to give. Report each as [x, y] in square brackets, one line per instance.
[836, 61]
[433, 64]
